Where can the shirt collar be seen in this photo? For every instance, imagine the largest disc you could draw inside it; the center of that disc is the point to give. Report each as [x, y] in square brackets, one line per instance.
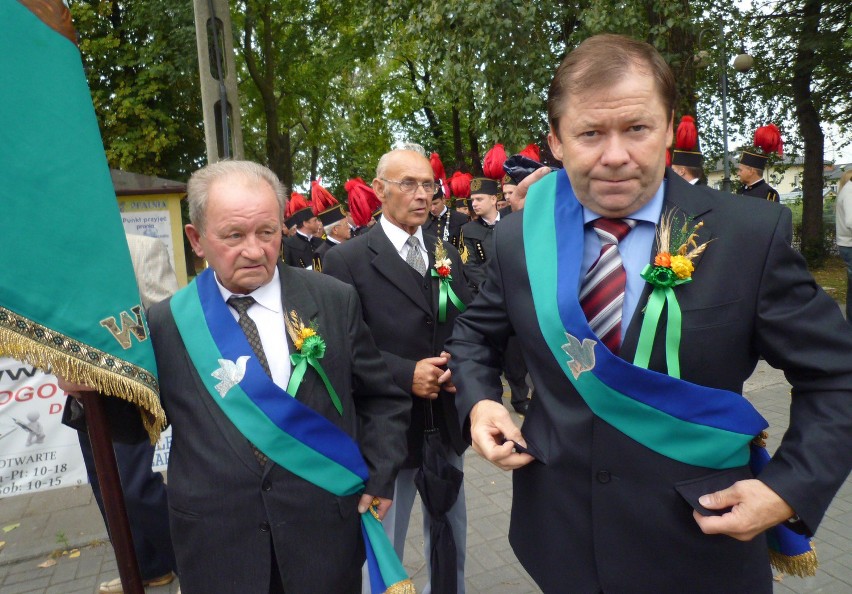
[268, 295]
[305, 236]
[649, 213]
[398, 237]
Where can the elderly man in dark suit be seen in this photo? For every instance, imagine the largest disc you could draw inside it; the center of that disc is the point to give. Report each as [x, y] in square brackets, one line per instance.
[260, 497]
[632, 471]
[397, 270]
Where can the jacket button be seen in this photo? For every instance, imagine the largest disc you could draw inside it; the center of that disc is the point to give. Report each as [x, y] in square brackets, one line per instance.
[603, 477]
[429, 321]
[267, 485]
[264, 527]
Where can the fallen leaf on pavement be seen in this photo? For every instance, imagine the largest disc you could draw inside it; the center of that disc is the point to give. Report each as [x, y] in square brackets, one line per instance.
[10, 527]
[74, 554]
[48, 563]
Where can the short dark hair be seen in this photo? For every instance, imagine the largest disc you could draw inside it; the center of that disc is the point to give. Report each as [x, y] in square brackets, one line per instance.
[599, 62]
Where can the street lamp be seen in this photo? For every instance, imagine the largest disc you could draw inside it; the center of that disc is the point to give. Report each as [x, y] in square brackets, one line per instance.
[742, 63]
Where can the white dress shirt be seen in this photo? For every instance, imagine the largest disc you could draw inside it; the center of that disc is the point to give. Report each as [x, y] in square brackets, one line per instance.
[398, 238]
[268, 315]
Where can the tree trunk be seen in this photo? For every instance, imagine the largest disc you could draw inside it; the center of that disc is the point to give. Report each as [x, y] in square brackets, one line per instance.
[475, 159]
[458, 148]
[314, 162]
[807, 116]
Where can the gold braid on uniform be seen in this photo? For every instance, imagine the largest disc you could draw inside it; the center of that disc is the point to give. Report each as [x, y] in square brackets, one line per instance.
[463, 252]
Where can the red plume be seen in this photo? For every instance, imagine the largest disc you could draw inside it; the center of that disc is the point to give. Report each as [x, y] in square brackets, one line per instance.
[668, 158]
[460, 184]
[297, 203]
[321, 199]
[686, 137]
[531, 151]
[492, 166]
[362, 201]
[768, 138]
[438, 167]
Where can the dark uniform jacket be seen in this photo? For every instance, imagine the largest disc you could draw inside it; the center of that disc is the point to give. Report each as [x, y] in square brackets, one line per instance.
[760, 189]
[478, 243]
[401, 309]
[297, 250]
[447, 226]
[320, 253]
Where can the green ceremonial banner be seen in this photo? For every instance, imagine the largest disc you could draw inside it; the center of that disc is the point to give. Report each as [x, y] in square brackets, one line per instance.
[68, 296]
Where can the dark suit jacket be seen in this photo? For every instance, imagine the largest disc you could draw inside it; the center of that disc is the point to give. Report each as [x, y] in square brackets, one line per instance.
[298, 251]
[225, 508]
[404, 325]
[603, 513]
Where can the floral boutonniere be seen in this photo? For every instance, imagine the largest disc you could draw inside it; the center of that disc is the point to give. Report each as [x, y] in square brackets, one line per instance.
[671, 268]
[310, 348]
[443, 272]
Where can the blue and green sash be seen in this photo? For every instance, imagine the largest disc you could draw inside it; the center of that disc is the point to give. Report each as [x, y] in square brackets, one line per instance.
[693, 424]
[291, 434]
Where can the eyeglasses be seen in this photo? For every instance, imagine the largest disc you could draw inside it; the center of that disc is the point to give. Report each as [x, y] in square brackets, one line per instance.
[409, 186]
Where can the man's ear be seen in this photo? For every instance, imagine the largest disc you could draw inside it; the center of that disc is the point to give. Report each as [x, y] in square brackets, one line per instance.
[554, 143]
[194, 238]
[670, 131]
[379, 189]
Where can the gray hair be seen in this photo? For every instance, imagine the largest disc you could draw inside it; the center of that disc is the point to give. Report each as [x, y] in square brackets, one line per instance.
[198, 187]
[330, 227]
[405, 146]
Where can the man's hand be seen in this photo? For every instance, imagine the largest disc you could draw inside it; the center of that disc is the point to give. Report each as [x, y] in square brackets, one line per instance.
[429, 377]
[367, 500]
[493, 431]
[755, 508]
[521, 189]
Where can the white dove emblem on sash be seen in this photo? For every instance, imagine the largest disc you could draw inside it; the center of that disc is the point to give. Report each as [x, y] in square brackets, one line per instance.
[230, 374]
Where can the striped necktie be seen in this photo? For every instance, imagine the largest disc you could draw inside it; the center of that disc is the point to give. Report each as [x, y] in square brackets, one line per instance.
[602, 293]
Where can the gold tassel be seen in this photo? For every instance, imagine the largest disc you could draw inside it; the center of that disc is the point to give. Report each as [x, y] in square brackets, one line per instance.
[107, 382]
[804, 565]
[403, 587]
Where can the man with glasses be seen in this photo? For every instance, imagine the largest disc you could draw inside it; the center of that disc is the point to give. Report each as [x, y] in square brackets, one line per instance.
[393, 268]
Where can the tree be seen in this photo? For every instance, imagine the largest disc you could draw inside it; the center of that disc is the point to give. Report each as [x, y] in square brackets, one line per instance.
[141, 64]
[799, 57]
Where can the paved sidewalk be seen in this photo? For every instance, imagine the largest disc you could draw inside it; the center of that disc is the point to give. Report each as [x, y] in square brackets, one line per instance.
[64, 519]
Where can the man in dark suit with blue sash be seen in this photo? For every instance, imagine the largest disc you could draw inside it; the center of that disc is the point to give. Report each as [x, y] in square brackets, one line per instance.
[286, 420]
[635, 468]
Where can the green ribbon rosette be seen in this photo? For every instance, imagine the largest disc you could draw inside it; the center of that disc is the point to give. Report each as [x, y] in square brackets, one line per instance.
[663, 280]
[445, 292]
[313, 349]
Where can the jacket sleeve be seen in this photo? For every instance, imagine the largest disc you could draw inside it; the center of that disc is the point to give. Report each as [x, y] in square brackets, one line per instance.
[383, 409]
[477, 344]
[800, 329]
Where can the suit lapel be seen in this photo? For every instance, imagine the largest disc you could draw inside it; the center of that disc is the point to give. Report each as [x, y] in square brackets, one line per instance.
[431, 244]
[682, 197]
[296, 297]
[387, 262]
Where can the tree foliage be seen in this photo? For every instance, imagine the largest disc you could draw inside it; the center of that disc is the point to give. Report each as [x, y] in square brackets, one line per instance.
[327, 86]
[142, 69]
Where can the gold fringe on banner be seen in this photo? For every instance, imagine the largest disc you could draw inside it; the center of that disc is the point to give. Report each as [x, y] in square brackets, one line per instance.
[804, 565]
[77, 362]
[403, 587]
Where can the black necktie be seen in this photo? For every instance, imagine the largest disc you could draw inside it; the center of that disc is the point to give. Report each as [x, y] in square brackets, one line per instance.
[241, 304]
